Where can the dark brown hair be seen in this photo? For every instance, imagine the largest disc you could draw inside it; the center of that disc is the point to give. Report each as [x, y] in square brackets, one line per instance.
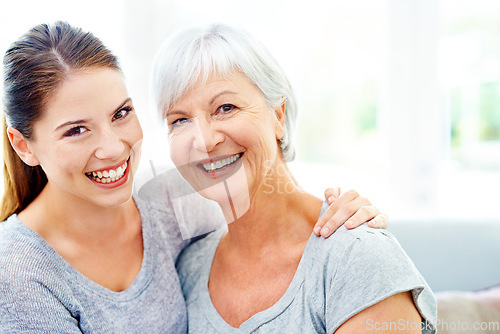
[34, 66]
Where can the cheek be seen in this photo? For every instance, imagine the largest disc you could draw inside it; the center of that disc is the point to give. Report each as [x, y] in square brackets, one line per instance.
[258, 138]
[134, 131]
[180, 147]
[60, 162]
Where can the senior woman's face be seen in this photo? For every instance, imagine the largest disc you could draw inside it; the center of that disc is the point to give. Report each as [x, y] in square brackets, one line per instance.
[223, 137]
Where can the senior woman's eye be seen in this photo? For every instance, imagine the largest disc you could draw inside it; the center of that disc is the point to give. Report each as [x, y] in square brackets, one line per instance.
[226, 108]
[178, 122]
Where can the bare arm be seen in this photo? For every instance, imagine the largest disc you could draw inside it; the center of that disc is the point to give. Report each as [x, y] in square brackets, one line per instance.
[396, 314]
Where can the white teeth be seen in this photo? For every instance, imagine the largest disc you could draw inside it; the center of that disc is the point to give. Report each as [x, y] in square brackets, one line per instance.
[210, 167]
[108, 176]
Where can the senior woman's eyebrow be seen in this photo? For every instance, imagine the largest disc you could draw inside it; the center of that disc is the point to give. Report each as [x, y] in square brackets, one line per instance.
[175, 112]
[226, 92]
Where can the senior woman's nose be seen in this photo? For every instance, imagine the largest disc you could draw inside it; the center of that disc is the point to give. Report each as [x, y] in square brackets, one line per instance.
[206, 136]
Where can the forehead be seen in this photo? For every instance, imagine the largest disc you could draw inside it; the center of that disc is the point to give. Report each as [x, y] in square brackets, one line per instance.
[214, 83]
[87, 91]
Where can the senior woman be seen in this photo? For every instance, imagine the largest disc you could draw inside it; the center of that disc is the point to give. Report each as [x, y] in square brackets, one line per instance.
[231, 113]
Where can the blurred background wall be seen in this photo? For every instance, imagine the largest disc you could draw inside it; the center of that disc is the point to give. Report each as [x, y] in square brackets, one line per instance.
[399, 100]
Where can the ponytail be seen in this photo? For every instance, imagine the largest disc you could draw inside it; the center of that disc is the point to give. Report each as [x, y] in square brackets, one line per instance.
[22, 183]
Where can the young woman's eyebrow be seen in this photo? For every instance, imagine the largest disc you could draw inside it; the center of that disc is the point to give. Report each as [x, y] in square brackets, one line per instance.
[121, 105]
[82, 121]
[79, 121]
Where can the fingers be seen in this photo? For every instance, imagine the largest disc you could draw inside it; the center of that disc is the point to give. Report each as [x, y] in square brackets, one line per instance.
[363, 215]
[339, 212]
[331, 194]
[380, 221]
[318, 228]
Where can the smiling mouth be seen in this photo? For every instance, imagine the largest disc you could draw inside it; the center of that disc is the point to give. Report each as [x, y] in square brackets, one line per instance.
[109, 175]
[214, 166]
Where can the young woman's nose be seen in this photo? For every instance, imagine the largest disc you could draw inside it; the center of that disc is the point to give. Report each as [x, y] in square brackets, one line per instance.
[206, 136]
[110, 146]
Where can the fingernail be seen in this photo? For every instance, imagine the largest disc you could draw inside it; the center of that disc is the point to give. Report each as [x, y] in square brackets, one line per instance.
[331, 199]
[348, 223]
[317, 230]
[325, 231]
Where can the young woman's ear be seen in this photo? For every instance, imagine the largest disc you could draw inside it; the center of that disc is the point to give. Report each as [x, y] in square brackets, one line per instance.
[20, 145]
[280, 113]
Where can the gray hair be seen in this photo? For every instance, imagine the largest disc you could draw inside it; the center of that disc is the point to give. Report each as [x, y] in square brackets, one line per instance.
[198, 52]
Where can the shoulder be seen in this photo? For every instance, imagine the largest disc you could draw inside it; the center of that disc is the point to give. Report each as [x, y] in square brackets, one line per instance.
[364, 253]
[169, 193]
[160, 184]
[189, 260]
[24, 254]
[155, 206]
[19, 246]
[344, 244]
[364, 266]
[194, 263]
[30, 273]
[357, 256]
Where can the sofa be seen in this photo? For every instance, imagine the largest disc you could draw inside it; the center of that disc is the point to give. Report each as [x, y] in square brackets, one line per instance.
[460, 261]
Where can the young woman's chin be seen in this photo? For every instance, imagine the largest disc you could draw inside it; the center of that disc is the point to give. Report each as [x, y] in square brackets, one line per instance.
[115, 200]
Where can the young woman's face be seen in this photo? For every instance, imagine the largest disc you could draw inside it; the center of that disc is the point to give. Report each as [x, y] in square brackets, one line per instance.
[88, 140]
[218, 126]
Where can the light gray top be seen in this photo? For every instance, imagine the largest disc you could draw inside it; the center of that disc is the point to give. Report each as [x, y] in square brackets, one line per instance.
[336, 278]
[42, 293]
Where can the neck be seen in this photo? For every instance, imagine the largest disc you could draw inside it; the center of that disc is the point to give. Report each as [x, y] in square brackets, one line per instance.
[279, 212]
[56, 213]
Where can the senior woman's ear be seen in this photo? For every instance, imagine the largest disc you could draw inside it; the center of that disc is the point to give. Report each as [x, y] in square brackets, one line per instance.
[280, 114]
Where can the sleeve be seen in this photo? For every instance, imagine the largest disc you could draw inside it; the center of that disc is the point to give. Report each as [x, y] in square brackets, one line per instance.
[373, 268]
[31, 307]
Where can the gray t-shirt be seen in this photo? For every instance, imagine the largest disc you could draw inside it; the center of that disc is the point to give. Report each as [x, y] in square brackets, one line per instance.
[336, 278]
[42, 293]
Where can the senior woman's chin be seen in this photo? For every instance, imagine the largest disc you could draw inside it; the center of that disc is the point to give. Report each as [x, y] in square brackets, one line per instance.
[233, 199]
[230, 191]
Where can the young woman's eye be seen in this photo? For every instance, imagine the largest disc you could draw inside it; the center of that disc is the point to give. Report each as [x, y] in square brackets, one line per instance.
[122, 113]
[77, 130]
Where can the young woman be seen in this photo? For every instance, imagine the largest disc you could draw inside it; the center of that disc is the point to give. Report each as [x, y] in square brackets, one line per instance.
[78, 253]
